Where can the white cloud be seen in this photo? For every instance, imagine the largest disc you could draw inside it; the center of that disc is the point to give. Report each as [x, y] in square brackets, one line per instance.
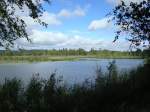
[64, 13]
[49, 18]
[99, 24]
[48, 38]
[58, 40]
[52, 19]
[78, 11]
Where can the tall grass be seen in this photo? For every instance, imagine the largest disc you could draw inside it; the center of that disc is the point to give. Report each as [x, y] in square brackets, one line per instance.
[32, 58]
[111, 92]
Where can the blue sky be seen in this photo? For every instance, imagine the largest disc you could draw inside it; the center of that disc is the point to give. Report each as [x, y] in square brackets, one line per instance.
[74, 24]
[93, 9]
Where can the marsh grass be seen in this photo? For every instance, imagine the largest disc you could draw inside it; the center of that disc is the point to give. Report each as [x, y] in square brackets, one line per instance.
[42, 58]
[111, 92]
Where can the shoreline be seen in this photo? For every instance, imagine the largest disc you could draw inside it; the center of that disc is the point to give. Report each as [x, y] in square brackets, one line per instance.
[30, 59]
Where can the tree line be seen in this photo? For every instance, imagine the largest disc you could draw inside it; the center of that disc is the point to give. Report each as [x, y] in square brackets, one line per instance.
[74, 52]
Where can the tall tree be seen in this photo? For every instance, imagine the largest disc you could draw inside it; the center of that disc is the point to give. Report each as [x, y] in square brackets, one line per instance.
[133, 18]
[13, 27]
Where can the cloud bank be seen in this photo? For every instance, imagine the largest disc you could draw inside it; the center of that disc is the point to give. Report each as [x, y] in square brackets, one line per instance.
[59, 40]
[42, 39]
[52, 19]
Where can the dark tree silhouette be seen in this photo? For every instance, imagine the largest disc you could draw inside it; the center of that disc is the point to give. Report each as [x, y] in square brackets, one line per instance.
[133, 18]
[13, 27]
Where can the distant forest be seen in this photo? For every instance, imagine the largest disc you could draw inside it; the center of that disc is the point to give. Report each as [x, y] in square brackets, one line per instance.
[74, 52]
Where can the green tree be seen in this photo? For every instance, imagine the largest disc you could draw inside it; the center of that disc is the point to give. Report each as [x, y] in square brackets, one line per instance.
[13, 27]
[133, 18]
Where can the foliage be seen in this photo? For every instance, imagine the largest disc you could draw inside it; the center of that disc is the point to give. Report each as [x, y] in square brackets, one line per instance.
[12, 26]
[128, 93]
[10, 95]
[133, 19]
[112, 75]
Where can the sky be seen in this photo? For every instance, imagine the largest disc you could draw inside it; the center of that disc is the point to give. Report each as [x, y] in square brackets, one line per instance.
[74, 24]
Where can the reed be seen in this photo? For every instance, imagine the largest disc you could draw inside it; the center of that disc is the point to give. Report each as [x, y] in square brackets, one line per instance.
[127, 91]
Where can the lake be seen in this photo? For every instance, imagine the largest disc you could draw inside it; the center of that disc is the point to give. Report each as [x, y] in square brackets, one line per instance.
[72, 71]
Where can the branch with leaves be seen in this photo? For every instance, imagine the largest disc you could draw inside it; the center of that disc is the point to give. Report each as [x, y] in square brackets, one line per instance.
[13, 27]
[134, 19]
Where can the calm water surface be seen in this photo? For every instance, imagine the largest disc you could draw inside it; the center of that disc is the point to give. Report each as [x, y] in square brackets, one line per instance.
[72, 71]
